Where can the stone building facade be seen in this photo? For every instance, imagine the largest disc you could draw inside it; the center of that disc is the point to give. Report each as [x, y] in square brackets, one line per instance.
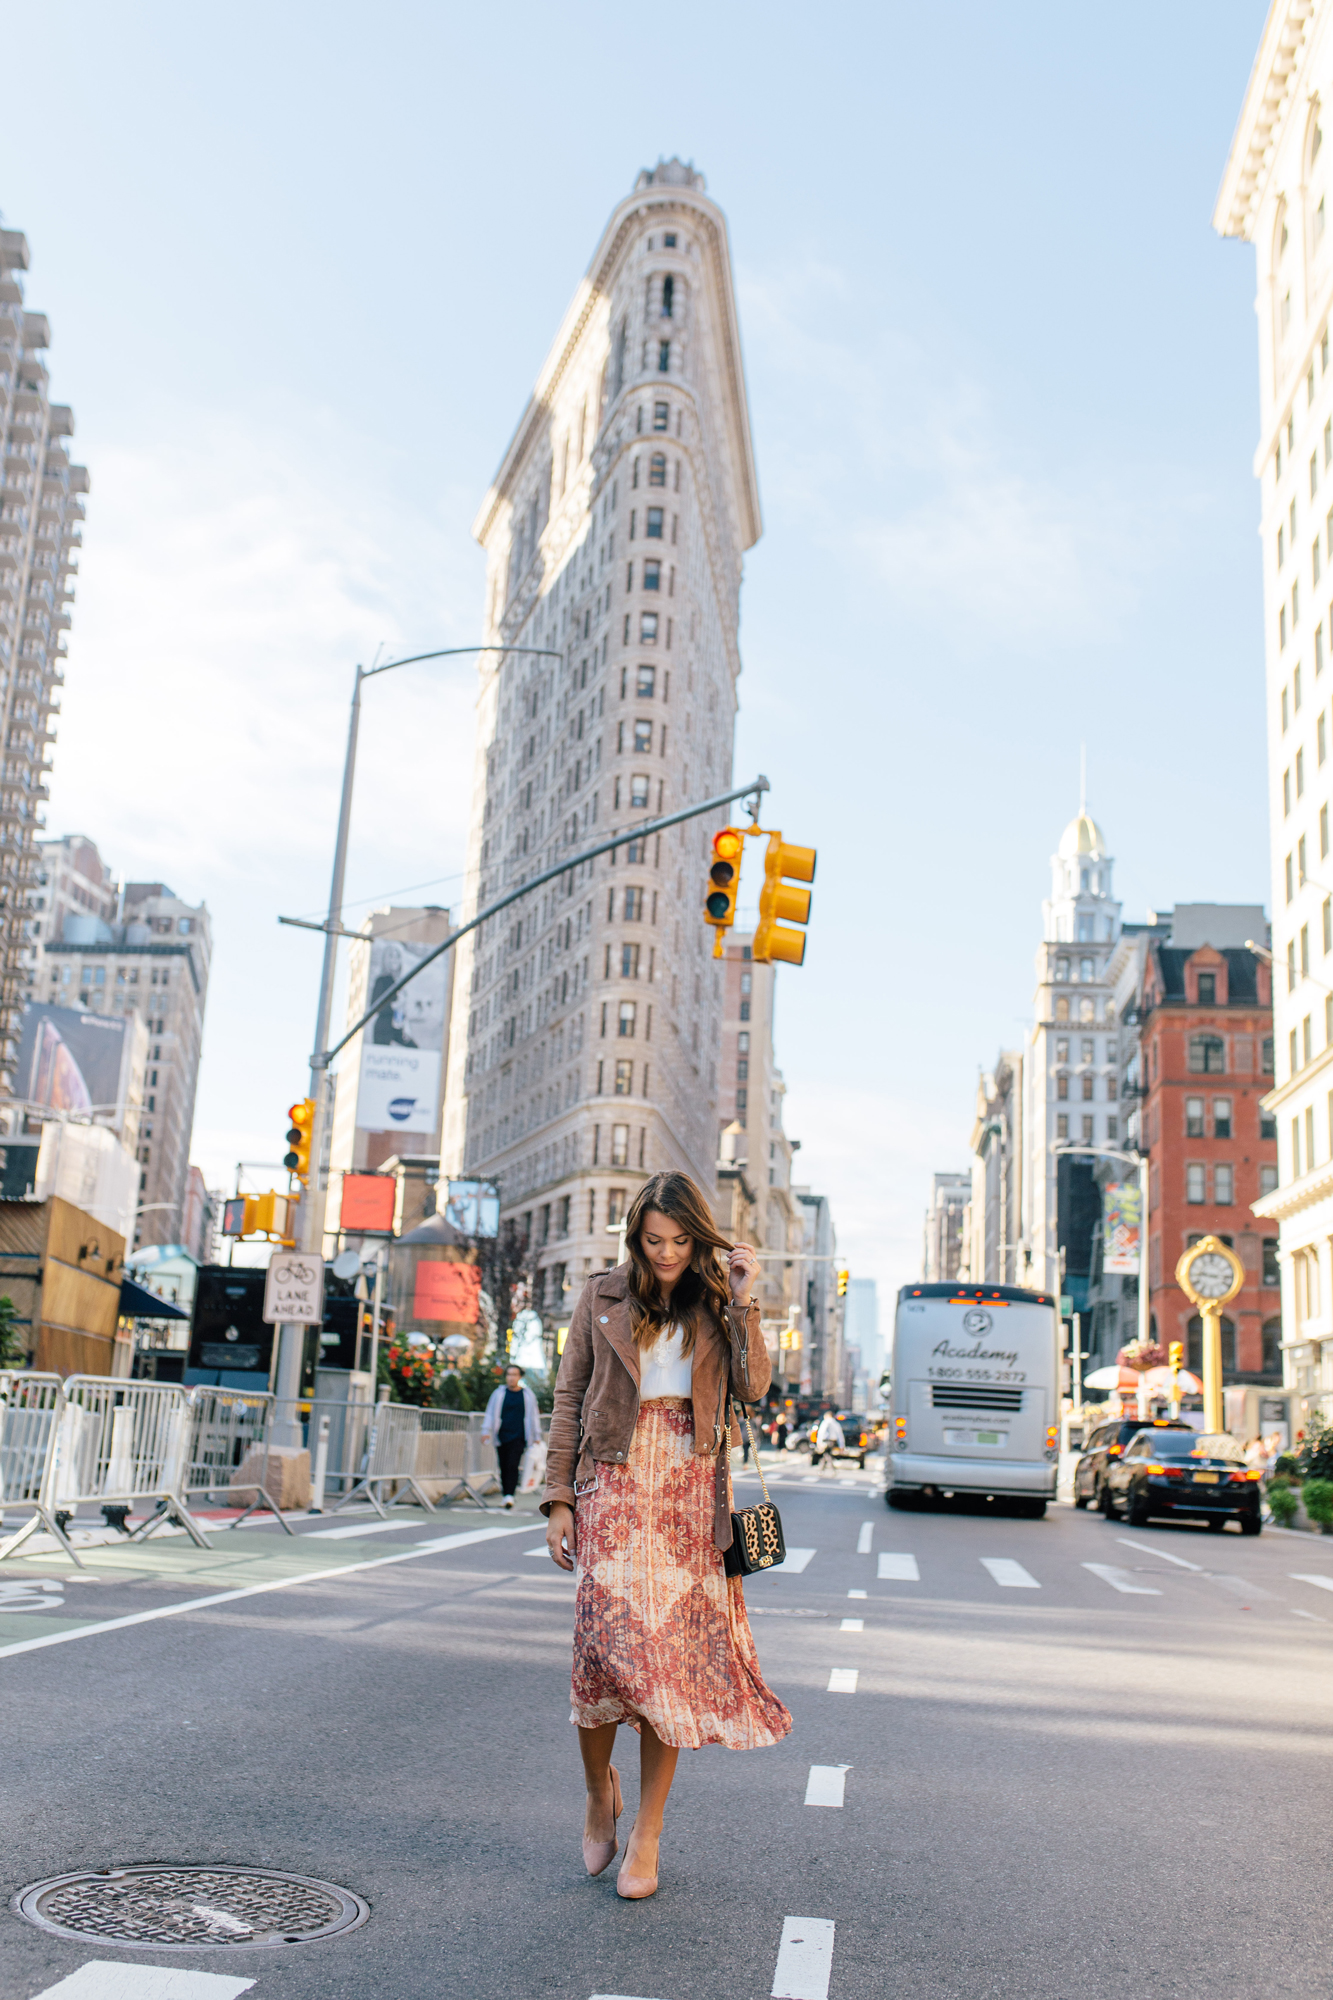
[944, 1248]
[756, 1179]
[586, 1024]
[1276, 193]
[40, 512]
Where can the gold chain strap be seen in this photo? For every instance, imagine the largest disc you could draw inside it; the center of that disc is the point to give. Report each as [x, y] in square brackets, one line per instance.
[749, 1427]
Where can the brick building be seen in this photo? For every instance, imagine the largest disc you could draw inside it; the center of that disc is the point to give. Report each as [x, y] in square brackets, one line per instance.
[1206, 1023]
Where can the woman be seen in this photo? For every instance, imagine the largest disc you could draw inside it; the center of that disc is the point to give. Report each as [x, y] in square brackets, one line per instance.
[636, 1484]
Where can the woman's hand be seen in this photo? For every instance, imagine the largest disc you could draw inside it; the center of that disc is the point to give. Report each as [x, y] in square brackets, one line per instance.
[560, 1535]
[742, 1270]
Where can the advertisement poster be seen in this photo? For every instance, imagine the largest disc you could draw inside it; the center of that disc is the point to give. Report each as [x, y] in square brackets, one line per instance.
[1121, 1227]
[72, 1061]
[473, 1207]
[399, 1085]
[447, 1291]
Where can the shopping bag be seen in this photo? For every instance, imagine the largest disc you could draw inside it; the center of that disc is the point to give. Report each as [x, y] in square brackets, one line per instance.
[532, 1469]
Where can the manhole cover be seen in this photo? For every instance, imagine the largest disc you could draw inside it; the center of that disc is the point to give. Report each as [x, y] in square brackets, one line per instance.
[166, 1908]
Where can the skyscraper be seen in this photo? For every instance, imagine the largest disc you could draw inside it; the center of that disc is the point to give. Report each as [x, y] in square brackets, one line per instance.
[40, 510]
[586, 1020]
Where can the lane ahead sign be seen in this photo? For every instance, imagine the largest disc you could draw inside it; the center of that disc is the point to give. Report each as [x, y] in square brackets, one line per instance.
[294, 1289]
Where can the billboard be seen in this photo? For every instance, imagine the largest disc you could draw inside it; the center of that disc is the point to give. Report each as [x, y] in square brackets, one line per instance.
[473, 1207]
[1121, 1227]
[73, 1061]
[399, 1085]
[368, 1202]
[447, 1291]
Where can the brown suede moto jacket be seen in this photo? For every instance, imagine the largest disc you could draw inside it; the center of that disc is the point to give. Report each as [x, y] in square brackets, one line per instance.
[597, 1391]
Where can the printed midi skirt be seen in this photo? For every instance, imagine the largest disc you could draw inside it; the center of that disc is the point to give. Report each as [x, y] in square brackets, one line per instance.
[660, 1629]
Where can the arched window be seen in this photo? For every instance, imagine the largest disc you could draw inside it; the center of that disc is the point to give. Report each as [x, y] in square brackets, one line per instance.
[668, 297]
[1062, 1008]
[1194, 1343]
[1272, 1361]
[1207, 1055]
[657, 469]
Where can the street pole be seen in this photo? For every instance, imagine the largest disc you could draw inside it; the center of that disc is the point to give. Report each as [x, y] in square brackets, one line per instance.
[1211, 1315]
[1076, 1359]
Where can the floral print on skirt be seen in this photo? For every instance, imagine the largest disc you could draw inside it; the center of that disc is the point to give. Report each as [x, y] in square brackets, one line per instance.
[659, 1627]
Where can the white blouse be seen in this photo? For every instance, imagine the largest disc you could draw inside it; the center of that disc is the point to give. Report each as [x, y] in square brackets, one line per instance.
[663, 1369]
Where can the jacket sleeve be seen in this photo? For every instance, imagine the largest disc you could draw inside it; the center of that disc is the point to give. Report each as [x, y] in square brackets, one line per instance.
[571, 1384]
[488, 1420]
[751, 1367]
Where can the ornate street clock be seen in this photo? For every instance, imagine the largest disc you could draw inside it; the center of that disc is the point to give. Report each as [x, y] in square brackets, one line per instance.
[1210, 1274]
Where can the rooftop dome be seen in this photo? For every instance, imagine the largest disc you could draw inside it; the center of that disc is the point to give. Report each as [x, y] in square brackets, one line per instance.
[1083, 836]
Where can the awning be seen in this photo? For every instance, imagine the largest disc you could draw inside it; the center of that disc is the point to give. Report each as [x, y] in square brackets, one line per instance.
[137, 1302]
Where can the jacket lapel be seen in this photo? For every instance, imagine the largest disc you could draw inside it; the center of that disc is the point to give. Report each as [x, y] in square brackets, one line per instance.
[611, 1319]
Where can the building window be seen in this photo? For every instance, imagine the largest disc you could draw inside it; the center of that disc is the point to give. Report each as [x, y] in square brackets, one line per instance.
[1268, 1180]
[647, 628]
[638, 789]
[1266, 1057]
[629, 961]
[1271, 1276]
[1089, 1089]
[624, 1079]
[615, 1204]
[1282, 626]
[664, 350]
[620, 1145]
[1194, 1118]
[743, 1044]
[1062, 1126]
[1223, 1185]
[645, 682]
[1088, 1131]
[1086, 1010]
[1062, 968]
[1221, 1117]
[643, 738]
[657, 469]
[1207, 989]
[1062, 1087]
[652, 576]
[1062, 1049]
[1207, 1055]
[1300, 774]
[1112, 1129]
[1195, 1190]
[1295, 1149]
[655, 518]
[1289, 873]
[1062, 1008]
[661, 411]
[743, 1070]
[1286, 792]
[626, 1018]
[633, 900]
[1087, 969]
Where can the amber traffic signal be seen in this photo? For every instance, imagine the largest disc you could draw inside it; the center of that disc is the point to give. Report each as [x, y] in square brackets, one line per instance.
[780, 904]
[302, 1116]
[724, 881]
[1176, 1353]
[843, 1276]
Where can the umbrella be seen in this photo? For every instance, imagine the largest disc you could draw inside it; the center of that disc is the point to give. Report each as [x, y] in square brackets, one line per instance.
[1113, 1377]
[1159, 1379]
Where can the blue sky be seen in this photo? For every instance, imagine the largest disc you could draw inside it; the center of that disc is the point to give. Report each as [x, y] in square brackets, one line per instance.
[302, 265]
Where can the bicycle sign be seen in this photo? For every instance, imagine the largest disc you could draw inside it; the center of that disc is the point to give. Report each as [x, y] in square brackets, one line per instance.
[294, 1289]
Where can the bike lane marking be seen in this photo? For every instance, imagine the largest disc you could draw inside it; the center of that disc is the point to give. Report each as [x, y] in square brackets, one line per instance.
[112, 1979]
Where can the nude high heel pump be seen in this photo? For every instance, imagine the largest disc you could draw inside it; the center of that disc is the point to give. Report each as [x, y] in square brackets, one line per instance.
[599, 1854]
[635, 1888]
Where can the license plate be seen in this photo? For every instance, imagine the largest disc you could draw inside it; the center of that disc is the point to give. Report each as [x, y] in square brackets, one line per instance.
[1207, 1478]
[976, 1437]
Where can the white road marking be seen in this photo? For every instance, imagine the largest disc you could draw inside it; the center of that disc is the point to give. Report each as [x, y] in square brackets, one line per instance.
[258, 1590]
[805, 1959]
[852, 1625]
[858, 1593]
[1120, 1579]
[1145, 1549]
[865, 1537]
[826, 1784]
[1010, 1575]
[379, 1528]
[113, 1979]
[1324, 1582]
[1296, 1612]
[842, 1680]
[898, 1569]
[31, 1594]
[797, 1559]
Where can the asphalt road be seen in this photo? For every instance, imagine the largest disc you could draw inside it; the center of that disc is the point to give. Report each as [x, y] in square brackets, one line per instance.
[1070, 1766]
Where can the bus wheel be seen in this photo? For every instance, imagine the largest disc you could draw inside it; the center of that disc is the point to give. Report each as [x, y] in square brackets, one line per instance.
[904, 1502]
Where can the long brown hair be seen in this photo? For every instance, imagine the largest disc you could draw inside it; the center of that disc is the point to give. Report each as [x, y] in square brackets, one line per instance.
[702, 1289]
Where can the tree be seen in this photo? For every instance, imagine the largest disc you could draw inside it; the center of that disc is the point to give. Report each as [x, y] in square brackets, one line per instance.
[12, 1351]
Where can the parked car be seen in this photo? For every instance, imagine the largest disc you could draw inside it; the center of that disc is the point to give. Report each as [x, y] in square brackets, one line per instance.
[799, 1436]
[857, 1438]
[1104, 1447]
[1184, 1473]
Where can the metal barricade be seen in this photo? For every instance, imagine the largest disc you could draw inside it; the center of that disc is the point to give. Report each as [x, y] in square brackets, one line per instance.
[229, 1429]
[119, 1442]
[30, 1407]
[409, 1446]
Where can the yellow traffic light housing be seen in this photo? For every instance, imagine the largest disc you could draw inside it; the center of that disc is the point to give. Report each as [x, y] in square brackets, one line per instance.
[1176, 1354]
[300, 1130]
[780, 904]
[843, 1277]
[724, 881]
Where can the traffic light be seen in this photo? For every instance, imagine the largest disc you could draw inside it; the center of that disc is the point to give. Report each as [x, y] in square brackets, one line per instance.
[842, 1283]
[724, 881]
[1176, 1353]
[302, 1116]
[272, 1215]
[778, 903]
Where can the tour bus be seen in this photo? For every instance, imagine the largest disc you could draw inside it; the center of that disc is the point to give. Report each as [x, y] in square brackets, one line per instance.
[974, 1398]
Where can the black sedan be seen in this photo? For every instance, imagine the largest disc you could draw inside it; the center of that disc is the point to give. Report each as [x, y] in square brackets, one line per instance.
[1200, 1475]
[1104, 1447]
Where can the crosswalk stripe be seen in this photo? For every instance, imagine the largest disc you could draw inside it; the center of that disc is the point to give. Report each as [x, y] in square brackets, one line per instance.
[1119, 1579]
[826, 1785]
[858, 1593]
[797, 1559]
[805, 1959]
[112, 1979]
[1010, 1575]
[1146, 1549]
[842, 1680]
[1324, 1582]
[865, 1538]
[852, 1625]
[898, 1569]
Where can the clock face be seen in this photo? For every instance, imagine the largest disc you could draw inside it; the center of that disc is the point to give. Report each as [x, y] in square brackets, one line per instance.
[1211, 1275]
